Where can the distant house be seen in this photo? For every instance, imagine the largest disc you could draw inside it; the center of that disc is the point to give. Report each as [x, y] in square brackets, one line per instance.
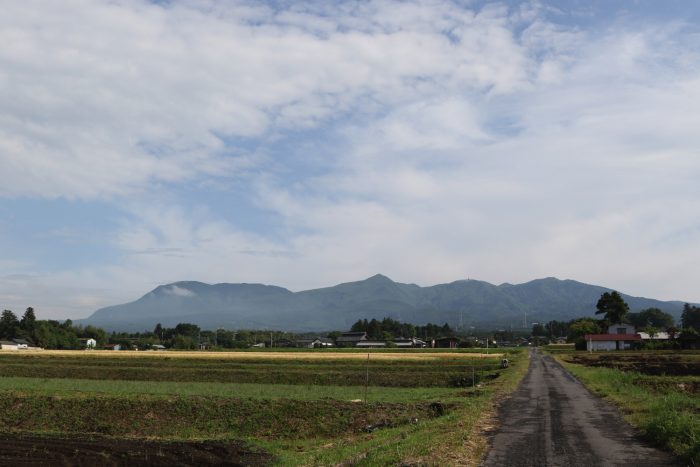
[409, 342]
[658, 336]
[315, 343]
[445, 342]
[350, 339]
[325, 342]
[8, 345]
[619, 337]
[157, 347]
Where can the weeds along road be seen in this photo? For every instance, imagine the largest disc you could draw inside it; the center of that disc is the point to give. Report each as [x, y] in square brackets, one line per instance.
[553, 420]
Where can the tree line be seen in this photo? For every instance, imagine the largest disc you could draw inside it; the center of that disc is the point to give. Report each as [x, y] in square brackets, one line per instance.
[390, 329]
[49, 334]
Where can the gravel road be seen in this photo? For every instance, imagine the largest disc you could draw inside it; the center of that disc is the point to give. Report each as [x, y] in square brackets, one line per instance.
[553, 420]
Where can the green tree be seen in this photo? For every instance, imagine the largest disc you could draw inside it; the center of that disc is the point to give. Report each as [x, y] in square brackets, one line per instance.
[28, 321]
[44, 336]
[651, 317]
[690, 319]
[188, 329]
[183, 342]
[580, 327]
[8, 325]
[612, 306]
[374, 330]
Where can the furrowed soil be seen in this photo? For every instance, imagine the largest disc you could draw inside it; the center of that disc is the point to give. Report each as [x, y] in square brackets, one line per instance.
[26, 451]
[668, 364]
[201, 417]
[388, 370]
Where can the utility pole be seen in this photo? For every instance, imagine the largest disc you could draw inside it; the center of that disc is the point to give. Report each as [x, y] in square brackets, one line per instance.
[366, 378]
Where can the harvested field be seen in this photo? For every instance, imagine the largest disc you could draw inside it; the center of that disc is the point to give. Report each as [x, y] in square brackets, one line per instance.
[303, 408]
[649, 363]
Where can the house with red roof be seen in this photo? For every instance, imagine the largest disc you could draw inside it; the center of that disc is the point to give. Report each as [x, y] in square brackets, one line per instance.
[619, 337]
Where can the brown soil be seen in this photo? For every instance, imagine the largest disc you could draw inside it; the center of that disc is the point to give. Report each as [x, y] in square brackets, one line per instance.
[663, 364]
[31, 450]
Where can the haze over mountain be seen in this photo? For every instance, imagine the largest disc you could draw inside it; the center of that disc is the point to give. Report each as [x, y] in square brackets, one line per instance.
[463, 302]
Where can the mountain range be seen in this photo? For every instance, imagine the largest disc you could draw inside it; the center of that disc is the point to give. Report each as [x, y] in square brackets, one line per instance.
[460, 303]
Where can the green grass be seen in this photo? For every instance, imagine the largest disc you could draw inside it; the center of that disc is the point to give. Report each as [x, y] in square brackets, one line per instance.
[253, 391]
[667, 417]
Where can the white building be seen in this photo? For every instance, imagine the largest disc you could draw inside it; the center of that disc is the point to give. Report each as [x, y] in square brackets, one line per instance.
[619, 337]
[8, 345]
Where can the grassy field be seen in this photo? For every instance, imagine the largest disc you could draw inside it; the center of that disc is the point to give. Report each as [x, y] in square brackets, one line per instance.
[657, 391]
[301, 408]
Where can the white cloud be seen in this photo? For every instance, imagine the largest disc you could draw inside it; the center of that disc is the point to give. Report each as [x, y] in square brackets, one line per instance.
[101, 99]
[179, 291]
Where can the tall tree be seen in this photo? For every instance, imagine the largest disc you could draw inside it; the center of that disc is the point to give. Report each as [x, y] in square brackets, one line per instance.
[651, 317]
[28, 320]
[691, 317]
[612, 305]
[8, 324]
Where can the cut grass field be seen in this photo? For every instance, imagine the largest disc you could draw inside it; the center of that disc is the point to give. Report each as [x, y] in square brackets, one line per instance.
[303, 408]
[665, 408]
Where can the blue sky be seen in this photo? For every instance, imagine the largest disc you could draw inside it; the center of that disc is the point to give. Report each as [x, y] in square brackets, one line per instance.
[307, 144]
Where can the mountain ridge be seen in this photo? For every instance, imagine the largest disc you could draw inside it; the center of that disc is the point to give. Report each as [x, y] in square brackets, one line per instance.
[466, 302]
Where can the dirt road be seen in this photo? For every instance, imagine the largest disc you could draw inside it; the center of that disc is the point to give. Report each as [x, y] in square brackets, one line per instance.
[553, 420]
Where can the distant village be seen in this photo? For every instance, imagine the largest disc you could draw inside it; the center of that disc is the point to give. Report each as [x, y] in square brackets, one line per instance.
[617, 330]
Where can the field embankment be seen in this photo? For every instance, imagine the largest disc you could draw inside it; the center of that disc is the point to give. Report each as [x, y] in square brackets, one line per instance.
[657, 391]
[297, 408]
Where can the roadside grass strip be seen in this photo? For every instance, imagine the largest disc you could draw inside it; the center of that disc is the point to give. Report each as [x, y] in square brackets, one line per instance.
[668, 416]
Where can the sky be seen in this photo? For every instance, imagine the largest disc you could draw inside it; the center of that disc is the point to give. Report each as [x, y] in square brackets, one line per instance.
[308, 144]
